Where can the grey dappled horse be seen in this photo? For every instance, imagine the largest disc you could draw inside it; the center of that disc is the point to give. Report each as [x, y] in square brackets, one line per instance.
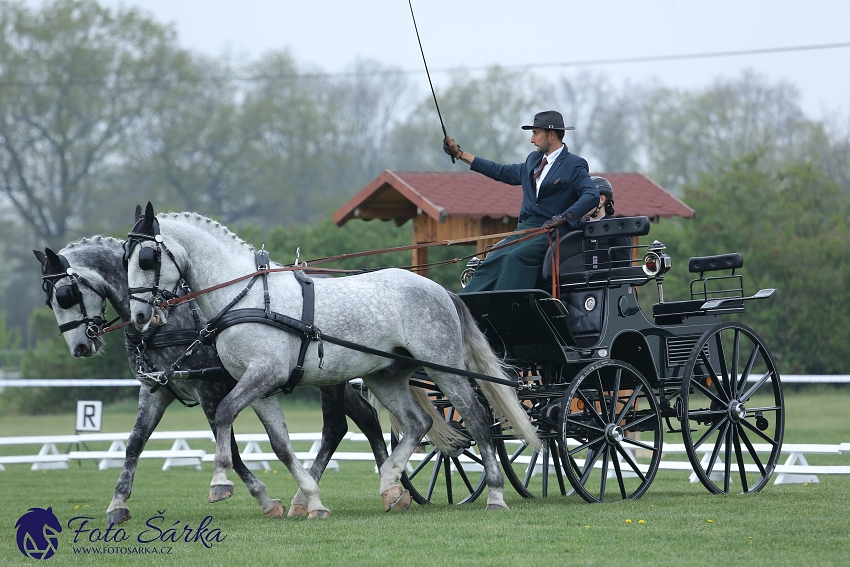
[100, 276]
[390, 310]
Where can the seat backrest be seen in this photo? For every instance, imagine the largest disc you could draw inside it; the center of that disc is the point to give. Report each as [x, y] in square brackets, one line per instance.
[571, 258]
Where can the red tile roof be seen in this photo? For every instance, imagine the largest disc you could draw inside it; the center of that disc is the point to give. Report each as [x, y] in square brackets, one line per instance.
[440, 194]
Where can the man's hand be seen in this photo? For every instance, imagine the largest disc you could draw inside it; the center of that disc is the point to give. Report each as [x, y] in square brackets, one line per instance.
[451, 147]
[555, 221]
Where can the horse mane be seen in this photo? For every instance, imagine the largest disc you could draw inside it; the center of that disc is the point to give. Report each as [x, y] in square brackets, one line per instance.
[207, 224]
[97, 240]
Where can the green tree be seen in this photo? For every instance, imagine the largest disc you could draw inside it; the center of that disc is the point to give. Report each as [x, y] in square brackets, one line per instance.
[791, 225]
[75, 78]
[688, 134]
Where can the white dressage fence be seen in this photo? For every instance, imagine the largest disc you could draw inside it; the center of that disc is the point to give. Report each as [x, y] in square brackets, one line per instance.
[795, 469]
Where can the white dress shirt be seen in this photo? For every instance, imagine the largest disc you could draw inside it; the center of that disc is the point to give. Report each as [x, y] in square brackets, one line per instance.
[550, 159]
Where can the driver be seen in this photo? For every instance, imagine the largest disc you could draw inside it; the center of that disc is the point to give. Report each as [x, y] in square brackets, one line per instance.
[556, 189]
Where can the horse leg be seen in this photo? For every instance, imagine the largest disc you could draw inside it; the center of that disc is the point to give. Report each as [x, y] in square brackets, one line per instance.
[391, 389]
[253, 383]
[365, 418]
[151, 409]
[477, 422]
[209, 399]
[334, 428]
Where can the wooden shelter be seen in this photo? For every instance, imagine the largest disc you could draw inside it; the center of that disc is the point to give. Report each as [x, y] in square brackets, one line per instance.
[452, 206]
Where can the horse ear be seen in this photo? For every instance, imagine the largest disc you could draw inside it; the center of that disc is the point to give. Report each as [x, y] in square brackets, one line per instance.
[39, 255]
[53, 259]
[138, 213]
[149, 216]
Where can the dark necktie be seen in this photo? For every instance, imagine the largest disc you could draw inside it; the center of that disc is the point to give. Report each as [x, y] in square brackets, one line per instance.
[538, 170]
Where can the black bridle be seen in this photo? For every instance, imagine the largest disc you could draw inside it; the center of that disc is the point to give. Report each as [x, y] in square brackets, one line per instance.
[150, 259]
[69, 295]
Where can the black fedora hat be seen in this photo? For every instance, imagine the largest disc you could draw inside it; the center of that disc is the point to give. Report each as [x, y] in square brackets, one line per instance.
[549, 120]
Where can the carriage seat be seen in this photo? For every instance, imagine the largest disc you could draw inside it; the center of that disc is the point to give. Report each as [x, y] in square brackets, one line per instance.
[587, 272]
[579, 263]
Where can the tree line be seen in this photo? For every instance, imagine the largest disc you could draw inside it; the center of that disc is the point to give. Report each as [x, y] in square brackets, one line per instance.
[102, 108]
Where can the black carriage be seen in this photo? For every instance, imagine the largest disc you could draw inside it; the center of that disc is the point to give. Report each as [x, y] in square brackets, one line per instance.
[603, 383]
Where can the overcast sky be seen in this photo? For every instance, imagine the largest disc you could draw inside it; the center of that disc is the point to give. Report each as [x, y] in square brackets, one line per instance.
[480, 33]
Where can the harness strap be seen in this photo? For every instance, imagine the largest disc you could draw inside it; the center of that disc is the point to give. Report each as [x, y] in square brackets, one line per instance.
[294, 326]
[308, 310]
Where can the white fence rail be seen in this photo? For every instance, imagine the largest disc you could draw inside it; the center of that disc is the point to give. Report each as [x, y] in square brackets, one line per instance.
[795, 469]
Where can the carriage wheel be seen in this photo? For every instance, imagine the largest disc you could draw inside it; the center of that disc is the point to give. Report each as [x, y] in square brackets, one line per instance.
[456, 477]
[731, 410]
[531, 473]
[611, 433]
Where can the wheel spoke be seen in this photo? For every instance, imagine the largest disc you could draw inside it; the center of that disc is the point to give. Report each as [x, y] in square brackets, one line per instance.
[529, 472]
[709, 393]
[588, 466]
[634, 466]
[637, 443]
[632, 424]
[605, 457]
[424, 463]
[727, 463]
[603, 408]
[721, 362]
[447, 467]
[716, 449]
[629, 404]
[711, 430]
[586, 445]
[615, 394]
[752, 411]
[752, 451]
[435, 474]
[619, 474]
[733, 376]
[518, 452]
[544, 490]
[462, 473]
[761, 434]
[741, 470]
[589, 406]
[556, 462]
[585, 425]
[714, 376]
[756, 386]
[473, 456]
[747, 369]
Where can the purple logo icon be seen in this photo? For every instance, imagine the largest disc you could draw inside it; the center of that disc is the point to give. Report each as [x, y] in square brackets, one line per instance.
[38, 533]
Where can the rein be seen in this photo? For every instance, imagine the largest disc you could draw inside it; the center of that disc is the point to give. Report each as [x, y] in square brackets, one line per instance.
[529, 233]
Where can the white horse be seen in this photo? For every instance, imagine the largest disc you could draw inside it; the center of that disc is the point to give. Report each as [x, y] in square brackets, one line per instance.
[390, 310]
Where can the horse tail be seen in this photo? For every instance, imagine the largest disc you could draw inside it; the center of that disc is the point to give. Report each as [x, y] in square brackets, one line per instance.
[480, 358]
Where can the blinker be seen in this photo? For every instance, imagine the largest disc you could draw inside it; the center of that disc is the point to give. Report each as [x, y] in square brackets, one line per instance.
[66, 296]
[147, 258]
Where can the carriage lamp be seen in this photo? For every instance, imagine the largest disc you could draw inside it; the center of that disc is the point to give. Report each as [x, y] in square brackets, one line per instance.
[467, 274]
[655, 265]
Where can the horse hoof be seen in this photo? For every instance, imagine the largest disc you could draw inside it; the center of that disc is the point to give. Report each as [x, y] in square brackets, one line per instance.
[497, 507]
[117, 516]
[297, 511]
[396, 499]
[277, 510]
[220, 492]
[319, 514]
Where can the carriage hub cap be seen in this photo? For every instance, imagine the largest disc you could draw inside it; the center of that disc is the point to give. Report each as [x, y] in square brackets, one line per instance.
[614, 434]
[737, 411]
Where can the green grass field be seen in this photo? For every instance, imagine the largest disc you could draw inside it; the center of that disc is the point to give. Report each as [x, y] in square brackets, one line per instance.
[681, 523]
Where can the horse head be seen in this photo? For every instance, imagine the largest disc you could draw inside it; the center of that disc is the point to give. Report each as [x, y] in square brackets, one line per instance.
[152, 271]
[78, 302]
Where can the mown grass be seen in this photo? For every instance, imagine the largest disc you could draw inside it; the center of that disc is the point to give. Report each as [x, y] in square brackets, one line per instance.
[682, 523]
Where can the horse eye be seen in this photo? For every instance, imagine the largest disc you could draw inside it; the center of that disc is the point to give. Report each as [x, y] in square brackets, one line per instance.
[147, 259]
